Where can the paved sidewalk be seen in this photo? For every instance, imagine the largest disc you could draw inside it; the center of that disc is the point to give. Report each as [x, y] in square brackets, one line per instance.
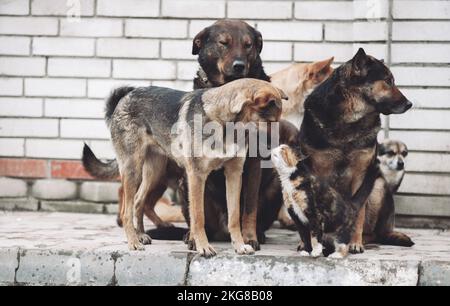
[86, 249]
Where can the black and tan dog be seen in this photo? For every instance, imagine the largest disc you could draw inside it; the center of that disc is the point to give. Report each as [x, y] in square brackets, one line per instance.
[341, 123]
[142, 122]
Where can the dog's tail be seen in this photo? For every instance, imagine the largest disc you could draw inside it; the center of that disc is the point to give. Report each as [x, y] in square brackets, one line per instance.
[396, 239]
[168, 233]
[364, 191]
[97, 168]
[114, 98]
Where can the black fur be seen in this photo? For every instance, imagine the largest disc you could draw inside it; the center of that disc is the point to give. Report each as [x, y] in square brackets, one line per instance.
[115, 98]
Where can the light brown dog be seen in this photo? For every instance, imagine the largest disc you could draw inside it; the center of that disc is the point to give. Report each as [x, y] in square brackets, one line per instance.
[298, 81]
[142, 124]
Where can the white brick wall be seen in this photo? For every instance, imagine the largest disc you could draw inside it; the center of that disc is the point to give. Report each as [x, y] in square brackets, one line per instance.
[55, 72]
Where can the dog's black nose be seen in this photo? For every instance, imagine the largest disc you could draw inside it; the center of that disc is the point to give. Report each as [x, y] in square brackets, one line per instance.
[238, 66]
[400, 165]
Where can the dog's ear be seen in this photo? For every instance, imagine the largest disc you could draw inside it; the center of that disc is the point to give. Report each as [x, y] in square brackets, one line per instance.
[282, 94]
[359, 62]
[199, 40]
[317, 68]
[239, 101]
[258, 40]
[381, 149]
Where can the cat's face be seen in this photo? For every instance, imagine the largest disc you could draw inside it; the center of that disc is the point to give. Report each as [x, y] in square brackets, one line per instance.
[284, 158]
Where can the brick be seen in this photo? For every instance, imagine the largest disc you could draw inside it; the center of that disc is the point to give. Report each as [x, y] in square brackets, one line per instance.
[309, 52]
[425, 184]
[177, 49]
[21, 107]
[55, 87]
[422, 119]
[363, 9]
[187, 70]
[54, 190]
[13, 188]
[28, 127]
[79, 207]
[259, 10]
[370, 31]
[421, 97]
[22, 66]
[152, 28]
[339, 32]
[421, 76]
[10, 45]
[141, 69]
[28, 25]
[74, 108]
[79, 67]
[11, 86]
[101, 192]
[421, 9]
[98, 27]
[131, 48]
[63, 46]
[423, 140]
[195, 26]
[32, 168]
[178, 85]
[53, 148]
[193, 9]
[62, 8]
[303, 31]
[428, 162]
[422, 206]
[84, 128]
[103, 149]
[63, 169]
[103, 88]
[130, 8]
[15, 7]
[12, 147]
[420, 53]
[339, 10]
[420, 31]
[19, 204]
[111, 209]
[277, 51]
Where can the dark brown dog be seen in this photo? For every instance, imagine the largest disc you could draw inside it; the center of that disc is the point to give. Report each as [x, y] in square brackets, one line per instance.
[341, 123]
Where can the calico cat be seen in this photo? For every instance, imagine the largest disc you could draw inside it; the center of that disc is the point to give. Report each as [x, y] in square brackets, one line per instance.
[324, 219]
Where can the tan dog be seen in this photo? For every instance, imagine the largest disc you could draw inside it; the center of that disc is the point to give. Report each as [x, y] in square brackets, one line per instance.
[298, 81]
[152, 127]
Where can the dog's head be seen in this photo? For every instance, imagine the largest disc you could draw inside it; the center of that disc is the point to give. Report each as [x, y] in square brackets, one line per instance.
[374, 82]
[392, 154]
[316, 73]
[228, 50]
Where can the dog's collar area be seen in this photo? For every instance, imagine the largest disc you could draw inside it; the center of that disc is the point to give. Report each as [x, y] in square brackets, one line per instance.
[203, 76]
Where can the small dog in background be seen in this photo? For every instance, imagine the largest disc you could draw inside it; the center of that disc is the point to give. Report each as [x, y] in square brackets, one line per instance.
[324, 219]
[391, 155]
[298, 81]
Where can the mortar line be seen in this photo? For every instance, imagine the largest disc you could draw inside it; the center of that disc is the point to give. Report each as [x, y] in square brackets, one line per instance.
[389, 22]
[189, 258]
[17, 268]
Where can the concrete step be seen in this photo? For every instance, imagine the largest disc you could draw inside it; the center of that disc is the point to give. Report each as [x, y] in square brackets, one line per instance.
[85, 249]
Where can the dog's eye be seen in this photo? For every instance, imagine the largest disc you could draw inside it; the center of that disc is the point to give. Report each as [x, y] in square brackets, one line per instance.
[224, 43]
[390, 153]
[390, 81]
[248, 45]
[404, 153]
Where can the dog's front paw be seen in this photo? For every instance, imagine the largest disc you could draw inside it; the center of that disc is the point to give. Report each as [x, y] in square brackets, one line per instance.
[244, 249]
[336, 255]
[145, 239]
[317, 250]
[254, 244]
[303, 253]
[206, 251]
[356, 248]
[136, 245]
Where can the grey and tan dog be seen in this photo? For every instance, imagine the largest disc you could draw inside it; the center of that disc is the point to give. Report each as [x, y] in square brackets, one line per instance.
[392, 154]
[142, 120]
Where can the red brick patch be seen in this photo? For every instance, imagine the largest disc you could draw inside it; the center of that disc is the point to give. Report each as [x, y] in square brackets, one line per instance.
[69, 170]
[32, 168]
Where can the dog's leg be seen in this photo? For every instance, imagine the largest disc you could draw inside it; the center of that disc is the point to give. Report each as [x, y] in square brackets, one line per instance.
[356, 242]
[198, 240]
[149, 207]
[129, 189]
[121, 212]
[252, 182]
[233, 178]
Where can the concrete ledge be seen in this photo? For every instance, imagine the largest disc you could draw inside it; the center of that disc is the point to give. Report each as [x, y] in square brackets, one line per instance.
[21, 204]
[85, 249]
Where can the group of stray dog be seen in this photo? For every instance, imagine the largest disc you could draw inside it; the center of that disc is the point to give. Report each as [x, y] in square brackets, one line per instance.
[335, 180]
